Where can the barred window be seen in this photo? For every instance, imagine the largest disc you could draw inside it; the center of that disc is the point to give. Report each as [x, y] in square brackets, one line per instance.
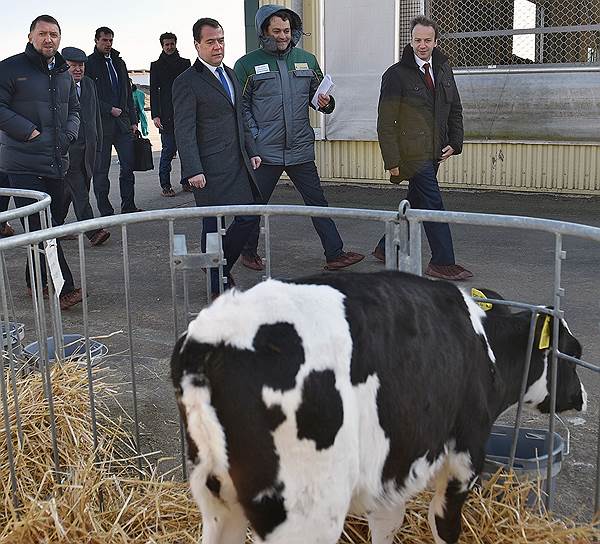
[508, 32]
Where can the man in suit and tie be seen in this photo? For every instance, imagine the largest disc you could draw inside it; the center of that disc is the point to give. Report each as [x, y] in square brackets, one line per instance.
[84, 151]
[216, 147]
[119, 121]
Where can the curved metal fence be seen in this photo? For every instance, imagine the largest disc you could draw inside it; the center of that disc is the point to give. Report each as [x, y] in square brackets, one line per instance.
[403, 252]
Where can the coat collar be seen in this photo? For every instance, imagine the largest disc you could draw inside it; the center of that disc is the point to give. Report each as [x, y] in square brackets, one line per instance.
[438, 57]
[39, 61]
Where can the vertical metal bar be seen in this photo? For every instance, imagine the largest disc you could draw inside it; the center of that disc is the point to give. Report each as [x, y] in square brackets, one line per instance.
[130, 338]
[221, 232]
[176, 335]
[9, 348]
[403, 251]
[415, 237]
[88, 349]
[173, 278]
[267, 230]
[4, 393]
[517, 427]
[391, 250]
[44, 359]
[597, 494]
[558, 292]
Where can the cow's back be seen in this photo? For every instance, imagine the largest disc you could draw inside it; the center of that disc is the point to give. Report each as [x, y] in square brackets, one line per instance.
[422, 377]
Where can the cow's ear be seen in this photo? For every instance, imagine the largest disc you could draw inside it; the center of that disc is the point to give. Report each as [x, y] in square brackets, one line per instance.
[476, 293]
[545, 333]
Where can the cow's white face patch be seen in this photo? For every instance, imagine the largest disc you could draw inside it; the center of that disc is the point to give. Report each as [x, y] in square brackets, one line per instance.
[477, 314]
[538, 390]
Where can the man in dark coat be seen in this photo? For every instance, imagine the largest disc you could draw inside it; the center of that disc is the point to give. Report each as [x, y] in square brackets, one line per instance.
[119, 121]
[85, 149]
[39, 118]
[162, 74]
[216, 147]
[419, 125]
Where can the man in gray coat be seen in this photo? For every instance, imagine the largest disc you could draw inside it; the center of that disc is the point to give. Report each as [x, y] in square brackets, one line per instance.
[216, 147]
[39, 118]
[279, 81]
[85, 150]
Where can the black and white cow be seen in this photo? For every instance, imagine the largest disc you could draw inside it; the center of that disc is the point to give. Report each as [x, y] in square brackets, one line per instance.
[307, 400]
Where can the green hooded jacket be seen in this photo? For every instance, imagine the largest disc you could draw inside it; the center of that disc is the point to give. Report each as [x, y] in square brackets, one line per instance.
[278, 88]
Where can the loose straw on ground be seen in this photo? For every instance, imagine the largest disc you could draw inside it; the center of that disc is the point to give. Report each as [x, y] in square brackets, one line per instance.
[106, 502]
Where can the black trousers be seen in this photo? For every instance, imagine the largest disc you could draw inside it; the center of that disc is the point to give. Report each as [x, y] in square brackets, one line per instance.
[306, 179]
[54, 188]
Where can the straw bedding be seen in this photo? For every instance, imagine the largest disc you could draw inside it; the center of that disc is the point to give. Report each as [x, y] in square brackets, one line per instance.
[101, 499]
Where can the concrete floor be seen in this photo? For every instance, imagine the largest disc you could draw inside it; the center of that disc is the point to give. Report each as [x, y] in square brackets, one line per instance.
[516, 263]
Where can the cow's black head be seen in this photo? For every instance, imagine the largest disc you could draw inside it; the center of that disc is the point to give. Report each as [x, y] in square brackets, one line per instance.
[570, 393]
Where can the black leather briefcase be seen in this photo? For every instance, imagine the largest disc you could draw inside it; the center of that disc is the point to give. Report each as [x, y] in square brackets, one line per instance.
[142, 153]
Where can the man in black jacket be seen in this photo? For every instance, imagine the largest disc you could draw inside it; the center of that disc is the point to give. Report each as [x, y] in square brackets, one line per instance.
[419, 125]
[119, 121]
[39, 118]
[162, 74]
[84, 150]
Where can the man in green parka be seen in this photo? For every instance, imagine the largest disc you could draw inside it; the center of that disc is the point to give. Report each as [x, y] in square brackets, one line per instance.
[279, 81]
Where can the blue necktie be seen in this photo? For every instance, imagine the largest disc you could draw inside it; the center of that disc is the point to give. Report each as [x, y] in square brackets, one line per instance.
[224, 81]
[114, 80]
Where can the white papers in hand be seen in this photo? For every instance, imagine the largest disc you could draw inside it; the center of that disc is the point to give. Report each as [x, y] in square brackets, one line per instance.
[324, 88]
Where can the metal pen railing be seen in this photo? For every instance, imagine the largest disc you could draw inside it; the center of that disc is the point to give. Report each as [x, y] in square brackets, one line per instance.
[403, 252]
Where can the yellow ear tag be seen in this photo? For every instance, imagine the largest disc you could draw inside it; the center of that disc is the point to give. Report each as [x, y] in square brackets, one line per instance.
[485, 306]
[545, 335]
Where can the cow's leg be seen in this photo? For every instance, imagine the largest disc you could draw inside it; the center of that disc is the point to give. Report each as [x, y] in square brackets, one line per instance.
[385, 523]
[445, 511]
[223, 525]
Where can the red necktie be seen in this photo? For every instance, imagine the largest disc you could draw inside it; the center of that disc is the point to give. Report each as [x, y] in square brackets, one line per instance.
[428, 80]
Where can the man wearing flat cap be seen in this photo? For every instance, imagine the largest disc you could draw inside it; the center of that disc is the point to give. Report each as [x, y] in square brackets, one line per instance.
[85, 151]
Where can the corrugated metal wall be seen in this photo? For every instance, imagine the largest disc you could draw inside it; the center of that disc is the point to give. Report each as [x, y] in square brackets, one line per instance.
[554, 167]
[526, 166]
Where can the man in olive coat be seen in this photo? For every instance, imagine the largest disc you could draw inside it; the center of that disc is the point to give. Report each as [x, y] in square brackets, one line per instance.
[216, 147]
[419, 125]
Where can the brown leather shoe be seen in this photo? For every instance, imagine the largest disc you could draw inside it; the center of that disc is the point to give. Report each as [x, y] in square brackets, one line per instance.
[254, 262]
[6, 230]
[347, 258]
[187, 189]
[70, 299]
[379, 254]
[452, 272]
[99, 237]
[168, 192]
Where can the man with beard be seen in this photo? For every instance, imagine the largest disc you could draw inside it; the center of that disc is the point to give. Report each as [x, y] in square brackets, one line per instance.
[279, 82]
[163, 72]
[39, 118]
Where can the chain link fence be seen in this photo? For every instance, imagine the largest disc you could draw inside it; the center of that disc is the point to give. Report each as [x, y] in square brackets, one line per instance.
[509, 32]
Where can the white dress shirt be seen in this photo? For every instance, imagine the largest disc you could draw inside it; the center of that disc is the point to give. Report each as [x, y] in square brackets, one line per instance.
[213, 69]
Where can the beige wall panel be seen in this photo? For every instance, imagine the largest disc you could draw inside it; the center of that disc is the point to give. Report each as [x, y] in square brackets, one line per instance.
[543, 167]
